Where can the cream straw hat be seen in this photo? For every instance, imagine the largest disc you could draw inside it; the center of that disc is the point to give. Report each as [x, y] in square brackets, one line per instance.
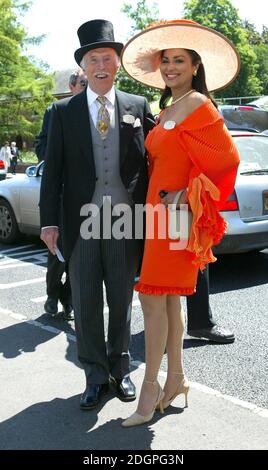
[141, 55]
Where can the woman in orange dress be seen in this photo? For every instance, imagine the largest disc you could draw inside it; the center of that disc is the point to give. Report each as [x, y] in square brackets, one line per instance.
[190, 150]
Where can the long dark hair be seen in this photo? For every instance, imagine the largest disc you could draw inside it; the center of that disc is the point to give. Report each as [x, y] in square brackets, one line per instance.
[198, 81]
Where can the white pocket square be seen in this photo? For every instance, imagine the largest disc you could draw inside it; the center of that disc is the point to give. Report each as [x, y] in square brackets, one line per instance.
[128, 119]
[137, 122]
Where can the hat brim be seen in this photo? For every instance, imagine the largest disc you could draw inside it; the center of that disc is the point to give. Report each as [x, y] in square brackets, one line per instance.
[141, 55]
[79, 53]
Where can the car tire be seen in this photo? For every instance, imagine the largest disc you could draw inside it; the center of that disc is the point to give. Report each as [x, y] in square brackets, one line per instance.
[2, 177]
[9, 231]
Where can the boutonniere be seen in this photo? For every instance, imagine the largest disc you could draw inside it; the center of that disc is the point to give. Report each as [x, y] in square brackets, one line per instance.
[128, 119]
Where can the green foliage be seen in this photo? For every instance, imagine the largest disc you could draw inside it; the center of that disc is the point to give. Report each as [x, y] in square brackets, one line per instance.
[142, 16]
[25, 88]
[28, 157]
[261, 51]
[223, 16]
[125, 83]
[259, 42]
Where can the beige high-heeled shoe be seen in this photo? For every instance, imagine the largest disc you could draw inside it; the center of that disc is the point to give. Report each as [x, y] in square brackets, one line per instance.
[135, 419]
[183, 387]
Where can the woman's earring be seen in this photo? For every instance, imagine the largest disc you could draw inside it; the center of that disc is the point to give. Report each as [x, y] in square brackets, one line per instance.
[195, 73]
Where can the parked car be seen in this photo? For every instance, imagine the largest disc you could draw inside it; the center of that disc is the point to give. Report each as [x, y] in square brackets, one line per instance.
[261, 103]
[3, 170]
[245, 118]
[19, 210]
[246, 210]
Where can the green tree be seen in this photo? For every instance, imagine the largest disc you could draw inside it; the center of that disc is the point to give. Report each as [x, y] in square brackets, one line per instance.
[261, 51]
[142, 16]
[223, 16]
[259, 42]
[25, 87]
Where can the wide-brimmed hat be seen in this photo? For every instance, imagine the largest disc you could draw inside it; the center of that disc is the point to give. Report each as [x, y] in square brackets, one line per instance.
[141, 55]
[95, 34]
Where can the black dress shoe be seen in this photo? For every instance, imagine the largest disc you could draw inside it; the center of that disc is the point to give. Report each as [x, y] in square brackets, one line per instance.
[125, 389]
[215, 333]
[68, 312]
[51, 306]
[92, 396]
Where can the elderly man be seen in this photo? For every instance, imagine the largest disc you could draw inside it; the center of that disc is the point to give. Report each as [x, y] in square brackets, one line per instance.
[96, 149]
[56, 289]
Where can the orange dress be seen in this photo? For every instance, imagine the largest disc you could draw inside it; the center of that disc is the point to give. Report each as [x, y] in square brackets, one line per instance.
[198, 153]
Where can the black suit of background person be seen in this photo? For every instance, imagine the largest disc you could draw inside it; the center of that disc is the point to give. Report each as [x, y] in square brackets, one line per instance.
[56, 289]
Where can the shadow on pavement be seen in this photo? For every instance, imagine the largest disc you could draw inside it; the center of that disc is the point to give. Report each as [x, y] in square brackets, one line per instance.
[59, 424]
[234, 272]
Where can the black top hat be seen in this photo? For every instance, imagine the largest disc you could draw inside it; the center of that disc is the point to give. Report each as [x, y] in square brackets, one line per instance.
[95, 34]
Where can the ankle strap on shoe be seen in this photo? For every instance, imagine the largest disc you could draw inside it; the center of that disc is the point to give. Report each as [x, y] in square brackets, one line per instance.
[152, 383]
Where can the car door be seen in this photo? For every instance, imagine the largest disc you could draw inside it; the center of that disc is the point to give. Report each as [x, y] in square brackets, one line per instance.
[29, 199]
[252, 180]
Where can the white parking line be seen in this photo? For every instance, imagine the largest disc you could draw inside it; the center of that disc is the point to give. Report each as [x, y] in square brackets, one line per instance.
[20, 257]
[38, 300]
[23, 264]
[18, 248]
[11, 314]
[21, 283]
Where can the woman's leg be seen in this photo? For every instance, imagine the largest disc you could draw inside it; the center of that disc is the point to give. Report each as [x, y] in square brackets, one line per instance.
[176, 324]
[156, 330]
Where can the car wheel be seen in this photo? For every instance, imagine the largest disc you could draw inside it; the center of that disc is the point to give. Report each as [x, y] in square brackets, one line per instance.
[9, 231]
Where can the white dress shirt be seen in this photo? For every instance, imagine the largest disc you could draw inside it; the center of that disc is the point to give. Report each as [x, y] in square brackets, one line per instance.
[94, 105]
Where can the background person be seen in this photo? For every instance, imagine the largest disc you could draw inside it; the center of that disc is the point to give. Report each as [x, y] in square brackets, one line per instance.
[14, 157]
[5, 155]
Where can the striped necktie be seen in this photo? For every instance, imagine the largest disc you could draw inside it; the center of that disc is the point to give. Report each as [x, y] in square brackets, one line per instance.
[103, 118]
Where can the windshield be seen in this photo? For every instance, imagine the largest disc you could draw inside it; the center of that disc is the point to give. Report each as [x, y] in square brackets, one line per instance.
[254, 120]
[253, 153]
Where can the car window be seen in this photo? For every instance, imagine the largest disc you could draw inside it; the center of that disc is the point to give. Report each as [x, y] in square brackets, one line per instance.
[255, 120]
[253, 153]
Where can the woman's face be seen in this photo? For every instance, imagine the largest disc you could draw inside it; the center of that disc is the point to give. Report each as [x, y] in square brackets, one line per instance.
[177, 69]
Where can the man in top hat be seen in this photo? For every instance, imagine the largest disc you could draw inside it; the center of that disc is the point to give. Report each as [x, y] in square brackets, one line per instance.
[57, 290]
[96, 149]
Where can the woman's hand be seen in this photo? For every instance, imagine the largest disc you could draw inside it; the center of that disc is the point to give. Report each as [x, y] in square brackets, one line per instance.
[169, 197]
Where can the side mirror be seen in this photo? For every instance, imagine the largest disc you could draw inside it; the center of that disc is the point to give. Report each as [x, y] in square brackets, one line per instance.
[40, 168]
[31, 171]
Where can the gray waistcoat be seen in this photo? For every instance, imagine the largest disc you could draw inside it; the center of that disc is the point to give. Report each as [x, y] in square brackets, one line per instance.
[106, 158]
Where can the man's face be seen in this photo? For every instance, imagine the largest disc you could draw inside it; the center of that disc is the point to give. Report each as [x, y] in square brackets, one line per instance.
[80, 85]
[101, 66]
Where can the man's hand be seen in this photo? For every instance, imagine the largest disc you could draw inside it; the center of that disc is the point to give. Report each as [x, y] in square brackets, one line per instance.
[50, 236]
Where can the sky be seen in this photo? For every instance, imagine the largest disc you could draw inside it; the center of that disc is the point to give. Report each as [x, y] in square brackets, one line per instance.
[60, 19]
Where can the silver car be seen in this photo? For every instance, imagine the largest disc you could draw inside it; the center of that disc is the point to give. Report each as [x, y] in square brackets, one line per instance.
[19, 210]
[246, 211]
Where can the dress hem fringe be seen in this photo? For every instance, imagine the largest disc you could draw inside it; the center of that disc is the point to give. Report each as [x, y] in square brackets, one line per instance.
[163, 290]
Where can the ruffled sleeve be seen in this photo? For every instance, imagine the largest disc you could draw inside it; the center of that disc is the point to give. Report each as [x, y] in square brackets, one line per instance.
[215, 160]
